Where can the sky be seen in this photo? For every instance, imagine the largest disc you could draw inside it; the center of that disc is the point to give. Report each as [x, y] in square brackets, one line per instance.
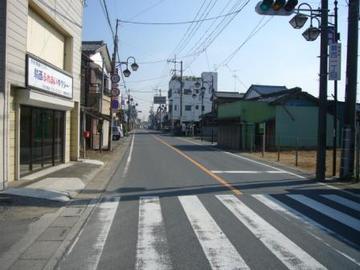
[268, 50]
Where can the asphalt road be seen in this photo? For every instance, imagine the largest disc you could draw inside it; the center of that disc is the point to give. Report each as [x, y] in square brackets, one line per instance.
[178, 204]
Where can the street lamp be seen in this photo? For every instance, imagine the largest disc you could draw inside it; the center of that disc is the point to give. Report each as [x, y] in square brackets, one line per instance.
[134, 66]
[298, 20]
[311, 33]
[202, 84]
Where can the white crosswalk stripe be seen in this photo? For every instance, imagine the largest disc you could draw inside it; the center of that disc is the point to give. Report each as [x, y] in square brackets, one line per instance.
[328, 211]
[107, 212]
[219, 251]
[282, 247]
[152, 250]
[343, 201]
[285, 210]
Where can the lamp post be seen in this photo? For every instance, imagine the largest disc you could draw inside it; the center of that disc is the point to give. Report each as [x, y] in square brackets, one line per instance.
[202, 84]
[134, 66]
[311, 34]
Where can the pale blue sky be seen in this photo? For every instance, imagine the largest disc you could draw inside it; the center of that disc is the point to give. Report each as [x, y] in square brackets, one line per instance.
[276, 55]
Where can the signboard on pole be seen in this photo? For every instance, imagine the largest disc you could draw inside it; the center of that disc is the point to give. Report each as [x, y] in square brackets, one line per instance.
[114, 104]
[159, 100]
[335, 62]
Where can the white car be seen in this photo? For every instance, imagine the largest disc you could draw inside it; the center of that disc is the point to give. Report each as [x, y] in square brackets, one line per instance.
[117, 133]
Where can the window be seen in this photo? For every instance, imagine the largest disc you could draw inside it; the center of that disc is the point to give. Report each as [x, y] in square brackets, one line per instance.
[175, 108]
[197, 107]
[187, 91]
[203, 108]
[41, 138]
[187, 107]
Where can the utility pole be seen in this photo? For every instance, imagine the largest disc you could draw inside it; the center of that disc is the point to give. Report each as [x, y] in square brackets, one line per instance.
[181, 84]
[321, 152]
[113, 72]
[335, 93]
[348, 144]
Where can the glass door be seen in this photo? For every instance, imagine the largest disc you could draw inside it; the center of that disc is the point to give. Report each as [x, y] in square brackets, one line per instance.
[41, 138]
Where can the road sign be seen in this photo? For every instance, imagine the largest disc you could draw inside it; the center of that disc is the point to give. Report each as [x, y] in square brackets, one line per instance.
[159, 100]
[335, 62]
[114, 104]
[115, 78]
[115, 92]
[114, 85]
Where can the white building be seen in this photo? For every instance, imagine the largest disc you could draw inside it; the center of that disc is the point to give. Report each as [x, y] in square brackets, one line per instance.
[192, 99]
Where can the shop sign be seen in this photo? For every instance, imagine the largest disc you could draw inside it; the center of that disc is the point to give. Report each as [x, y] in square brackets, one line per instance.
[46, 78]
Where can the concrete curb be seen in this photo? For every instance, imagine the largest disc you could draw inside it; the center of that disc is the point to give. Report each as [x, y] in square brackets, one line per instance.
[84, 218]
[27, 256]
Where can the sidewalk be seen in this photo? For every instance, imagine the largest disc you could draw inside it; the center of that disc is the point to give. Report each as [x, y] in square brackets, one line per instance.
[34, 230]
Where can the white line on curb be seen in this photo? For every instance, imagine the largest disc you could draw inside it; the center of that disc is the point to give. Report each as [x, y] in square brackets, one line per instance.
[129, 157]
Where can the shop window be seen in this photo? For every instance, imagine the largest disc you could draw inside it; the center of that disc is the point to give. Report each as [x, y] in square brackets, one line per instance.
[41, 138]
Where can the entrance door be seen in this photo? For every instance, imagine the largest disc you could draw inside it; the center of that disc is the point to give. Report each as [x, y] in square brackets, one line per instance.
[41, 138]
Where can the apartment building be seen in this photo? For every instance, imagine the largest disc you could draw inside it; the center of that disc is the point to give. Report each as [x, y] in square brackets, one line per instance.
[40, 60]
[196, 98]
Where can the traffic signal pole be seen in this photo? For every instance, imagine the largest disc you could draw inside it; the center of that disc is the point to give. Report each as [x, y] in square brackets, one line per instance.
[321, 151]
[335, 135]
[348, 144]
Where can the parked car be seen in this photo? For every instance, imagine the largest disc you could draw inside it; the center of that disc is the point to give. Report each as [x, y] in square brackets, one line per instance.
[117, 133]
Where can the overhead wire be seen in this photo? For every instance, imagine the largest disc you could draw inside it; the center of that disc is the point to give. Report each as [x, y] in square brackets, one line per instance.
[181, 22]
[255, 30]
[215, 34]
[197, 25]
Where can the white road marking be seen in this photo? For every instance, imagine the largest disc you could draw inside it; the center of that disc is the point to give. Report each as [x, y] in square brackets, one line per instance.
[152, 250]
[129, 157]
[250, 160]
[343, 201]
[328, 211]
[281, 208]
[219, 251]
[269, 166]
[246, 172]
[107, 210]
[282, 247]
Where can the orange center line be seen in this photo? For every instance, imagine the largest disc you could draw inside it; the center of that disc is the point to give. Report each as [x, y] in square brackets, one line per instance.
[202, 167]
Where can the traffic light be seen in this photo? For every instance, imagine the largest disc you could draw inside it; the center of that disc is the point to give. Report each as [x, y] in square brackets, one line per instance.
[290, 5]
[266, 5]
[276, 7]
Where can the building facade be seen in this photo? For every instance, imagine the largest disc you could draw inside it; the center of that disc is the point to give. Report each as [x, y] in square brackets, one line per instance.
[193, 103]
[40, 61]
[95, 94]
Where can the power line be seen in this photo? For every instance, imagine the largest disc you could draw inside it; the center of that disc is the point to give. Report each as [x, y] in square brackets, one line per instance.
[181, 22]
[147, 9]
[214, 35]
[255, 30]
[197, 25]
[202, 40]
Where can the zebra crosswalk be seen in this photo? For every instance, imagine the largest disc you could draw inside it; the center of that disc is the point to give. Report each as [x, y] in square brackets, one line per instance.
[218, 248]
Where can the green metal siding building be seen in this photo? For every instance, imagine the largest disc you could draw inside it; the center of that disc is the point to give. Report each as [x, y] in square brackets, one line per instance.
[289, 119]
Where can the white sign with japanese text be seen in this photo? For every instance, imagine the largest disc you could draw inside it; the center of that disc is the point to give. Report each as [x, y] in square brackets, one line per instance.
[335, 62]
[43, 77]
